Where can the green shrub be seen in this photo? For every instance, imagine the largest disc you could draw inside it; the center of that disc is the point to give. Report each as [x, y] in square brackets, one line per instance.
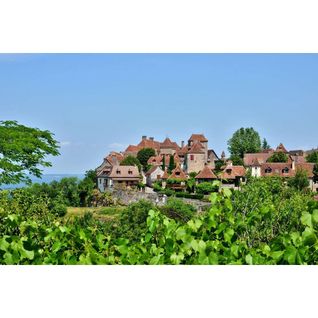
[206, 188]
[178, 210]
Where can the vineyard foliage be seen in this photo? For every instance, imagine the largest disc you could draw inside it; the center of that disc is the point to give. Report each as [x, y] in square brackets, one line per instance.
[267, 222]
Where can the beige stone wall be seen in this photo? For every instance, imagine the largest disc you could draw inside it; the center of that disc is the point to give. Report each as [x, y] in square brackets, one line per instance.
[197, 164]
[167, 151]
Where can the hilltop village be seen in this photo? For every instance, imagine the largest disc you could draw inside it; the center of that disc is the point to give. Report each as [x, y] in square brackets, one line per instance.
[171, 165]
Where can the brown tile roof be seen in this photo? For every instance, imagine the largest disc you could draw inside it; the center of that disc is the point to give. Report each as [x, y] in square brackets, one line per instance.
[197, 147]
[125, 173]
[165, 175]
[299, 159]
[206, 173]
[152, 169]
[167, 143]
[182, 151]
[281, 148]
[148, 143]
[114, 158]
[261, 157]
[132, 148]
[231, 172]
[276, 169]
[178, 173]
[198, 137]
[155, 160]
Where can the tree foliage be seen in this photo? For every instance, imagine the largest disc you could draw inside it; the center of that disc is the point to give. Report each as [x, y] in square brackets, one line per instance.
[265, 145]
[278, 157]
[131, 161]
[300, 181]
[312, 157]
[23, 152]
[144, 155]
[172, 164]
[244, 140]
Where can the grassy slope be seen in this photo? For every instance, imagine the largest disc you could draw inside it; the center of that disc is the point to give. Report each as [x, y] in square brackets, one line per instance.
[102, 213]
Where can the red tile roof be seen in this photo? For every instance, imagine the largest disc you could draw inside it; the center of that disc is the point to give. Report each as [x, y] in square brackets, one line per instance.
[168, 144]
[231, 172]
[308, 167]
[178, 173]
[206, 173]
[197, 147]
[198, 137]
[277, 169]
[125, 173]
[261, 157]
[281, 148]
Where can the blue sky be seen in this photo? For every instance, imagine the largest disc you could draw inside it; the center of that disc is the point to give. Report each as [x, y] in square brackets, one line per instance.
[95, 103]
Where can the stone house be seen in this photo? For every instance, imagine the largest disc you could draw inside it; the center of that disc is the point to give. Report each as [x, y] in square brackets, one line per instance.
[176, 180]
[119, 177]
[153, 175]
[206, 175]
[234, 175]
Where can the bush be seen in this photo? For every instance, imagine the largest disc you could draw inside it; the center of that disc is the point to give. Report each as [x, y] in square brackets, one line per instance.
[178, 210]
[189, 196]
[206, 188]
[167, 192]
[59, 209]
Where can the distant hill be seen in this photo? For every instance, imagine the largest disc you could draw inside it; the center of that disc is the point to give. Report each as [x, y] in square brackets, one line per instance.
[46, 178]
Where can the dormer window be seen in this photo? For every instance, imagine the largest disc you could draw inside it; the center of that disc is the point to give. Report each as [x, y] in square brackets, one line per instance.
[130, 172]
[228, 171]
[285, 170]
[268, 170]
[178, 173]
[118, 171]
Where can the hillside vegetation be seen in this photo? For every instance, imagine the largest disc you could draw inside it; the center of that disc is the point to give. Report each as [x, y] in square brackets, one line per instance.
[267, 222]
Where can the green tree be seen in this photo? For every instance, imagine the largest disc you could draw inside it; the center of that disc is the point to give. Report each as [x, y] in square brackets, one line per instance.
[144, 155]
[23, 151]
[163, 163]
[278, 157]
[300, 181]
[313, 157]
[218, 166]
[236, 160]
[172, 164]
[131, 161]
[315, 172]
[244, 140]
[265, 145]
[207, 188]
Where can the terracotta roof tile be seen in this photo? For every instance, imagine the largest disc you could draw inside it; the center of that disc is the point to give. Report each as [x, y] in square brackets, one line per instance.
[124, 172]
[206, 173]
[197, 147]
[231, 172]
[178, 173]
[198, 137]
[281, 148]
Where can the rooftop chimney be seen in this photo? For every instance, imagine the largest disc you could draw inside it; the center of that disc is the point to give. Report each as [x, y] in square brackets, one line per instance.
[151, 138]
[182, 143]
[144, 137]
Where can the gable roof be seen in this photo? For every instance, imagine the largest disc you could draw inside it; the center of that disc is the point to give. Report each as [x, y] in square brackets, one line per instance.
[281, 148]
[178, 173]
[124, 173]
[206, 173]
[197, 147]
[165, 175]
[167, 143]
[152, 170]
[231, 172]
[198, 137]
[261, 157]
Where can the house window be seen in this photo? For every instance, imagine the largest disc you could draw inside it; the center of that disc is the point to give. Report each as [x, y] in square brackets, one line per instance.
[191, 157]
[268, 170]
[285, 170]
[177, 173]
